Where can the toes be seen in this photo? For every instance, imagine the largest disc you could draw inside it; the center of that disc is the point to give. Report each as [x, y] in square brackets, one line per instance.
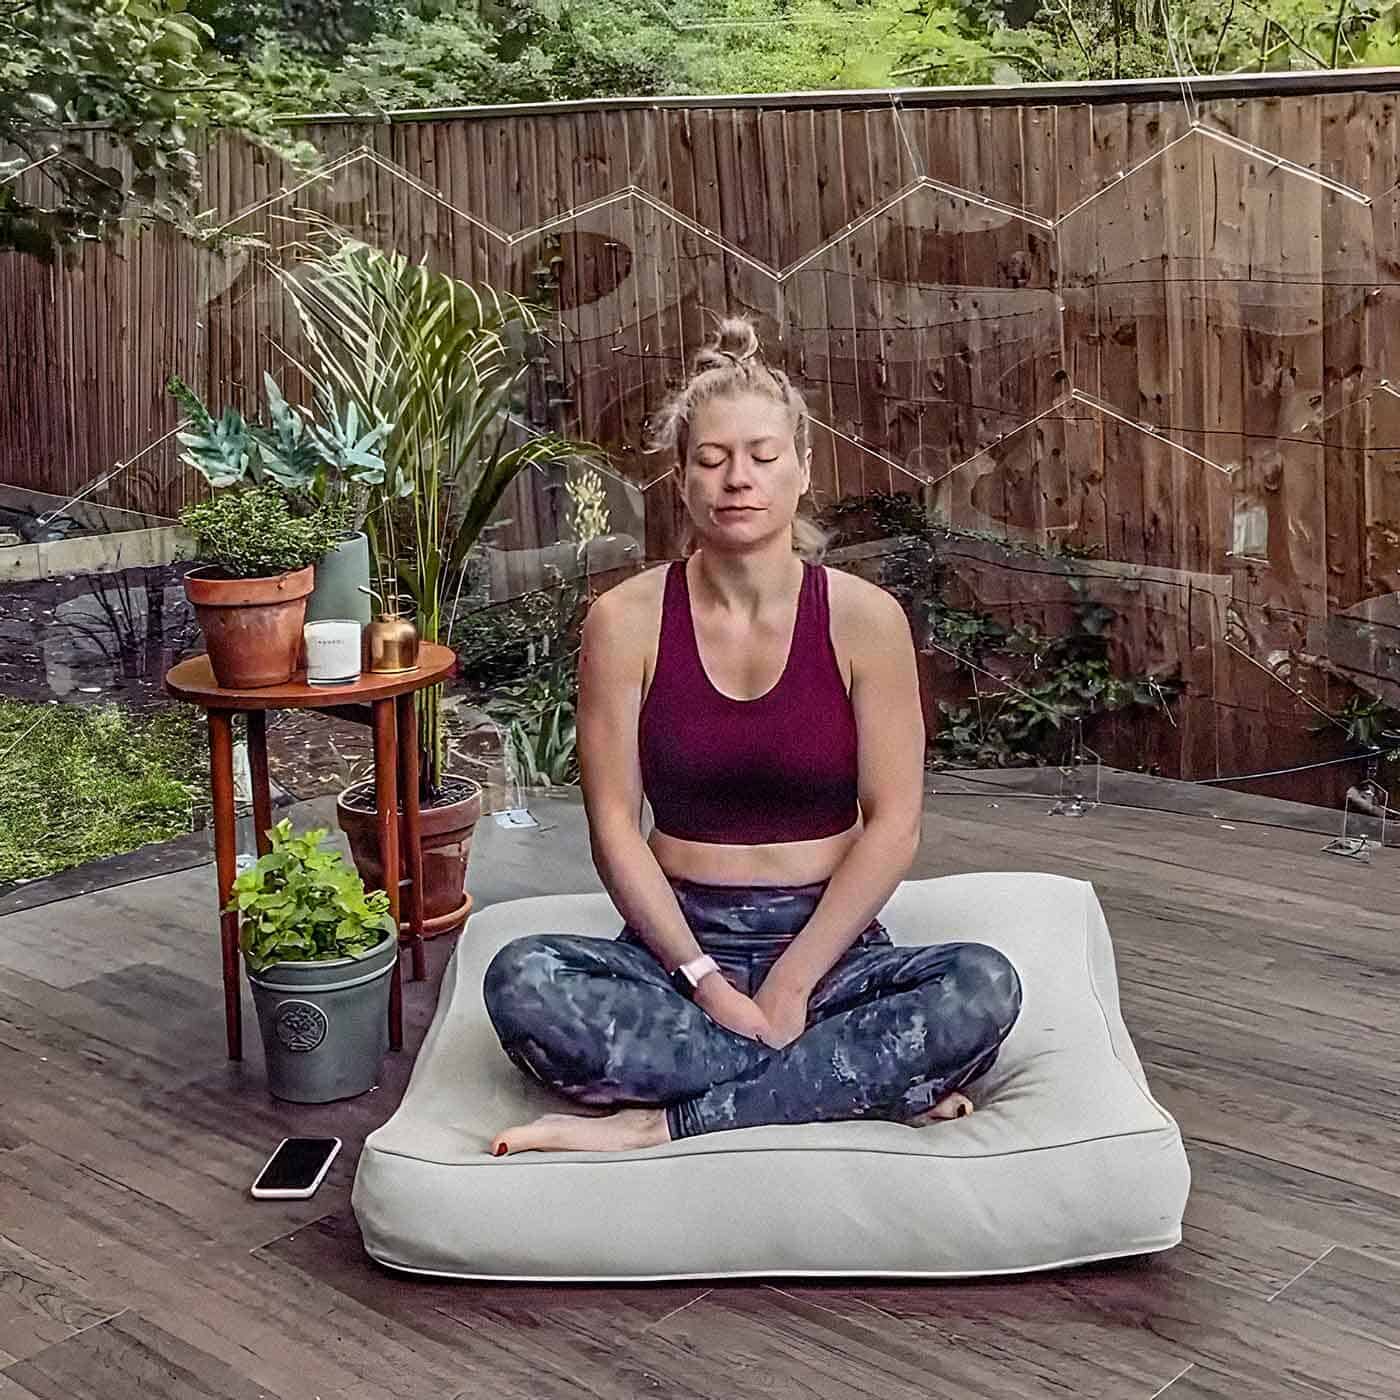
[950, 1106]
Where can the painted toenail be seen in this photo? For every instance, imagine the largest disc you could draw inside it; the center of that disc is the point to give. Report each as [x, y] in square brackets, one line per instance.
[500, 1151]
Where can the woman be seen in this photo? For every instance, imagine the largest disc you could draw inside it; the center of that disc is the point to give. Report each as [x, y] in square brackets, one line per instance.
[752, 982]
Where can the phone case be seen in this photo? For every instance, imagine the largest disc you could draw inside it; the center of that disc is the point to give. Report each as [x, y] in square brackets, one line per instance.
[292, 1193]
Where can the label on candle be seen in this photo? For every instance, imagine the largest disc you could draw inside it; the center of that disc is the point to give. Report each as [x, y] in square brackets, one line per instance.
[332, 651]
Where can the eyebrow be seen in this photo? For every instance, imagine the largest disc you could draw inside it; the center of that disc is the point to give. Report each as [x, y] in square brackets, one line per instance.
[752, 442]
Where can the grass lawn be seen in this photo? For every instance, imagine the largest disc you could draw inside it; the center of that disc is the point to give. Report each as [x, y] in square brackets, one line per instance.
[81, 782]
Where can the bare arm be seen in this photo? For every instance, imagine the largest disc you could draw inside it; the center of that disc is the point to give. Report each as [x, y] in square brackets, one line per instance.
[609, 703]
[890, 728]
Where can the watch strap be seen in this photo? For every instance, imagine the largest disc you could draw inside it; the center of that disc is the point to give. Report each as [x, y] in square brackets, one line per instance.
[686, 978]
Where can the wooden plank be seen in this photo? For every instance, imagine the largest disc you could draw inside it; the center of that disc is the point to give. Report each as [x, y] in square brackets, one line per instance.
[1263, 995]
[130, 1356]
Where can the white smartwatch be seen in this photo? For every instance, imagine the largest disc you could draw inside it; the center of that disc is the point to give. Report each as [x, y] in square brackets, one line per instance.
[686, 978]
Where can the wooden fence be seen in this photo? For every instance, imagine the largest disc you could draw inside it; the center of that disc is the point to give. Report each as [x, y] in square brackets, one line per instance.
[1157, 332]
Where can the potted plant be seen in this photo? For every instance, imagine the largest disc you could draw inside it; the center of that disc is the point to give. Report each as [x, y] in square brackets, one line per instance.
[256, 573]
[319, 952]
[540, 736]
[443, 362]
[320, 465]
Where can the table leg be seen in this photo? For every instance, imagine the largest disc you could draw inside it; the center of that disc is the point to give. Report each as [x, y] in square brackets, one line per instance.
[226, 865]
[386, 805]
[412, 834]
[257, 769]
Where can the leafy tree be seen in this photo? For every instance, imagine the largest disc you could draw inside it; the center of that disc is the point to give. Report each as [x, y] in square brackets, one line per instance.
[460, 54]
[143, 67]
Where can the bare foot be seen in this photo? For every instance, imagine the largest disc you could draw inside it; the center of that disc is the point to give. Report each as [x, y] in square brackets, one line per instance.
[949, 1106]
[570, 1132]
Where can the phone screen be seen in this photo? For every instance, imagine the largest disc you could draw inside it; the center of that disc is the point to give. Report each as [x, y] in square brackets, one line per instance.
[296, 1164]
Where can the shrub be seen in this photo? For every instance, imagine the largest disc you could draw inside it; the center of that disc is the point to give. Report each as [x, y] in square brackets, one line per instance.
[253, 533]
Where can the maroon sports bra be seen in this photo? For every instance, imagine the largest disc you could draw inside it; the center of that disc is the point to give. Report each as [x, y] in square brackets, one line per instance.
[778, 768]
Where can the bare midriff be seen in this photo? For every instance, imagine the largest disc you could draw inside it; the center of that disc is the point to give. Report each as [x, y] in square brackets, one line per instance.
[783, 863]
[729, 663]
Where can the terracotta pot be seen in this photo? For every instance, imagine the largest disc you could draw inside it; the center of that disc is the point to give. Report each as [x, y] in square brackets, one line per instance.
[251, 626]
[446, 840]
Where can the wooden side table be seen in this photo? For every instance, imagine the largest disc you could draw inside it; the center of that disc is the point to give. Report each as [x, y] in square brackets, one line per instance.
[383, 702]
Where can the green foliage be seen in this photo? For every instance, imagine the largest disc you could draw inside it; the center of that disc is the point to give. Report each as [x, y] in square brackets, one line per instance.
[320, 461]
[454, 54]
[1060, 679]
[540, 731]
[539, 714]
[443, 361]
[1369, 723]
[1057, 679]
[144, 67]
[253, 533]
[300, 903]
[77, 783]
[497, 645]
[162, 69]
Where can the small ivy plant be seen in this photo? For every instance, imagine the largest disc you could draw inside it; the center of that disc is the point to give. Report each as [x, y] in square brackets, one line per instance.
[300, 903]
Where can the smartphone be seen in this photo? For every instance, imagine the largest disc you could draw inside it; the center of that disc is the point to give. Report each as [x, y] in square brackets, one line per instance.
[296, 1169]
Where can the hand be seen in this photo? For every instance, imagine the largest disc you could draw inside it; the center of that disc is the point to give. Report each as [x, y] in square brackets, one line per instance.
[785, 1009]
[729, 1007]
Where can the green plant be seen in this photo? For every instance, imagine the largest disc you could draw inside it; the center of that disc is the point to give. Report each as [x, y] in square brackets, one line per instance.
[317, 462]
[443, 361]
[1063, 678]
[1059, 679]
[539, 714]
[78, 783]
[253, 533]
[496, 645]
[540, 734]
[1369, 722]
[300, 903]
[145, 72]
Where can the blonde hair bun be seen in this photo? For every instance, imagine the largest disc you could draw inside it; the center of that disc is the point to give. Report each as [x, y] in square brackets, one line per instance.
[736, 339]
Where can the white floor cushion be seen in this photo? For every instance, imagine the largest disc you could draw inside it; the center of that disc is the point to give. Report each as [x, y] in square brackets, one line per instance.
[1067, 1159]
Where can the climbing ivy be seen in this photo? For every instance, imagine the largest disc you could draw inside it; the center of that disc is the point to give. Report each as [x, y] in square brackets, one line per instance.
[1030, 686]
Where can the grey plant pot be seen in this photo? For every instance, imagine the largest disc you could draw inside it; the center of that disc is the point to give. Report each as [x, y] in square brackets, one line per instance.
[325, 1025]
[339, 578]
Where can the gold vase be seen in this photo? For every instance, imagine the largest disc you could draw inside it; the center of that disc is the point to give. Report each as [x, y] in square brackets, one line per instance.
[391, 645]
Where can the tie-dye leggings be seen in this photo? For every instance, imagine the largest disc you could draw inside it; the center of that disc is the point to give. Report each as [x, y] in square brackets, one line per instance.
[890, 1030]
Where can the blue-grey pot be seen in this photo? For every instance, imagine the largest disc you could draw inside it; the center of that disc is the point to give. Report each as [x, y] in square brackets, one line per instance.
[325, 1025]
[339, 578]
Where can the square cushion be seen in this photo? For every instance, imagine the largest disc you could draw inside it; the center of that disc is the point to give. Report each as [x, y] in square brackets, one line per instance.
[1067, 1159]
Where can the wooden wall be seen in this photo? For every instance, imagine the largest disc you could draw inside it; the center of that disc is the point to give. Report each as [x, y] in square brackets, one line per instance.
[1089, 324]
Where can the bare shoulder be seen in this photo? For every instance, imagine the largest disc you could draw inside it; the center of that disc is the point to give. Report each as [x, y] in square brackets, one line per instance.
[863, 613]
[635, 593]
[631, 609]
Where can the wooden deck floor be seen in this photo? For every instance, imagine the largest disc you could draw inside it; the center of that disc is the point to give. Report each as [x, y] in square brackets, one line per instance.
[1259, 983]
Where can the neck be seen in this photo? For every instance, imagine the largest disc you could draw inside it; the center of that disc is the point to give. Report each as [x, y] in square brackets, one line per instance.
[746, 585]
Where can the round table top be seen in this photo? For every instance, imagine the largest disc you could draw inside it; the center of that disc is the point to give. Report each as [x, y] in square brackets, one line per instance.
[193, 680]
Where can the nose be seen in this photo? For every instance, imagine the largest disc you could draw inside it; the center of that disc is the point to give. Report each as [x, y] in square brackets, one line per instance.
[737, 474]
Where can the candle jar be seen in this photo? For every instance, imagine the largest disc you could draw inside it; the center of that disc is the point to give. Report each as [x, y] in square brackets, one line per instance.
[332, 651]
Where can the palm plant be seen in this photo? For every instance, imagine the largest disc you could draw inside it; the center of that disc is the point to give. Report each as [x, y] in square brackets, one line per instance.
[440, 360]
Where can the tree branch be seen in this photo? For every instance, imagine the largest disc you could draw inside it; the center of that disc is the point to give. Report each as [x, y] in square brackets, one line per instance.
[1220, 38]
[1064, 6]
[1337, 30]
[1302, 48]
